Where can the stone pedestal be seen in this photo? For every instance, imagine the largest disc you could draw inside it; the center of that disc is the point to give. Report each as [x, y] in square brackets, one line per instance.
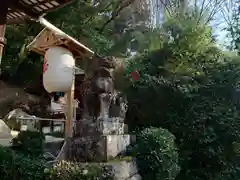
[104, 140]
[99, 148]
[101, 140]
[111, 126]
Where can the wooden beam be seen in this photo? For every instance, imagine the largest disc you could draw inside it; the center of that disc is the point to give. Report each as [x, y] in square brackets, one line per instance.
[3, 19]
[70, 112]
[66, 2]
[16, 5]
[43, 2]
[33, 12]
[61, 3]
[3, 12]
[36, 7]
[17, 21]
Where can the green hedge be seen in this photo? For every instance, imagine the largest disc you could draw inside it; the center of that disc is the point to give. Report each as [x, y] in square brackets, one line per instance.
[29, 143]
[156, 154]
[201, 107]
[16, 166]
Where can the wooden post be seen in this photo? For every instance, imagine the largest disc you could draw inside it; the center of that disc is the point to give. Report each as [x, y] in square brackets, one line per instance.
[3, 20]
[69, 123]
[70, 111]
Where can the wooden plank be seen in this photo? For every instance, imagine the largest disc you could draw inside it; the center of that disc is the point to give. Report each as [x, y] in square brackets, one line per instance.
[40, 119]
[70, 111]
[3, 19]
[3, 12]
[52, 36]
[17, 5]
[31, 9]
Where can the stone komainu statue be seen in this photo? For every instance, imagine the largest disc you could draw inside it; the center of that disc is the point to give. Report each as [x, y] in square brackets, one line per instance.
[97, 81]
[97, 88]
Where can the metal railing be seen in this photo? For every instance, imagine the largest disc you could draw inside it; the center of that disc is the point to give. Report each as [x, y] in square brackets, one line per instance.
[39, 119]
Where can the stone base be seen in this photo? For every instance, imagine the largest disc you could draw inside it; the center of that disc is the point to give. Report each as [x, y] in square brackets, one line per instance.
[105, 127]
[98, 148]
[5, 131]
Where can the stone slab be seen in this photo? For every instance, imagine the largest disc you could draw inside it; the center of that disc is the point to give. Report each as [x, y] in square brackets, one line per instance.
[115, 119]
[110, 128]
[53, 144]
[135, 177]
[124, 170]
[85, 128]
[116, 144]
[5, 131]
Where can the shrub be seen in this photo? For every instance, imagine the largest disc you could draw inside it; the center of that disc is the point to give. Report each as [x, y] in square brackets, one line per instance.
[74, 171]
[190, 88]
[20, 167]
[202, 113]
[6, 161]
[29, 142]
[211, 127]
[156, 154]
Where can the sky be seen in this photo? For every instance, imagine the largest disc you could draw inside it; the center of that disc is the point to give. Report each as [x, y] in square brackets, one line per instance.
[221, 34]
[218, 23]
[218, 27]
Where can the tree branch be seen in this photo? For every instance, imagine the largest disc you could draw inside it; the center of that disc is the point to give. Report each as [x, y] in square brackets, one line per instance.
[120, 6]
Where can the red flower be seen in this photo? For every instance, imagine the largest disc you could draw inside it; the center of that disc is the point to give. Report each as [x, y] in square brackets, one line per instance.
[135, 75]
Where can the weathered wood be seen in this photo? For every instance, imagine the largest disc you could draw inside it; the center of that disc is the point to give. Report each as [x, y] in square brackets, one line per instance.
[2, 40]
[3, 12]
[20, 11]
[17, 5]
[16, 11]
[3, 20]
[70, 111]
[53, 36]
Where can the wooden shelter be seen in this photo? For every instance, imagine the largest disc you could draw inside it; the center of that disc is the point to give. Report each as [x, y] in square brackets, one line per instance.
[20, 11]
[52, 36]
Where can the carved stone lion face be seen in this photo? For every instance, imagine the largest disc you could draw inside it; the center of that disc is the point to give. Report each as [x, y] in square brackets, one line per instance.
[103, 66]
[104, 72]
[104, 85]
[106, 62]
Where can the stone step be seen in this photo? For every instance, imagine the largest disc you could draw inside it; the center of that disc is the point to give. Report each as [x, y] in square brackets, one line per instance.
[135, 177]
[125, 170]
[99, 148]
[53, 144]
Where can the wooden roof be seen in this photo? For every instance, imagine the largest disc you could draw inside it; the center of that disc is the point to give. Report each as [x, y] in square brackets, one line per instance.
[22, 10]
[55, 37]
